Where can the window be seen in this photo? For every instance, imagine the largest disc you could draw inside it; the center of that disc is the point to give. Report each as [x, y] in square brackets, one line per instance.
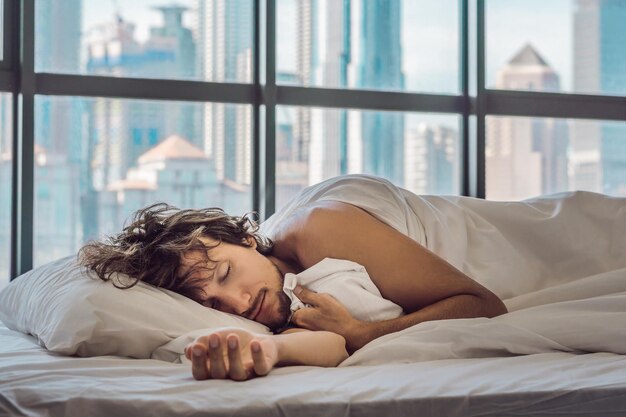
[6, 180]
[1, 30]
[570, 46]
[499, 99]
[86, 189]
[527, 157]
[421, 153]
[201, 40]
[399, 45]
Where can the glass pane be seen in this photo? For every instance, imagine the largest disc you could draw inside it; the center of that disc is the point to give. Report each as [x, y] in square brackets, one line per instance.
[572, 46]
[419, 152]
[399, 45]
[1, 30]
[98, 160]
[527, 157]
[206, 40]
[6, 170]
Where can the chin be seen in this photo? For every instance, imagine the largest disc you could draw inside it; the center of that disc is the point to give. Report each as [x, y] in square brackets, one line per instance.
[281, 312]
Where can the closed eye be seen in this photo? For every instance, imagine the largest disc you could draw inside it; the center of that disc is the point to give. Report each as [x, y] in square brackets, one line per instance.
[226, 275]
[210, 303]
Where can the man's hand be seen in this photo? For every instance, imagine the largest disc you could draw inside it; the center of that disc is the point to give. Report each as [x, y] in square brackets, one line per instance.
[232, 353]
[326, 313]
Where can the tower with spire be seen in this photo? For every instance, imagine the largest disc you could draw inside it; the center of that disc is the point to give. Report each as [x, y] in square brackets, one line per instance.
[526, 157]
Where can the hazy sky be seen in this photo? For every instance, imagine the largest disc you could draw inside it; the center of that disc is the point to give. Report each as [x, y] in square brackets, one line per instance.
[429, 39]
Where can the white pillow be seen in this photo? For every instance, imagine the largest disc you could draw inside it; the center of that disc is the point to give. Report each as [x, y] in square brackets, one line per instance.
[73, 312]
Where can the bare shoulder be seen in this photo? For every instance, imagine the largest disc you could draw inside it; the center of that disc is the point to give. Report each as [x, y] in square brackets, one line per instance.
[403, 270]
[329, 229]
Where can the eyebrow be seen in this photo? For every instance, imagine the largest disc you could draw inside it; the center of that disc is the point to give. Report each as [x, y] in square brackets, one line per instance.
[200, 266]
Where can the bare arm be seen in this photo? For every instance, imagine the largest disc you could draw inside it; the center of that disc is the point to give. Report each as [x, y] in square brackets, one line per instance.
[238, 354]
[422, 283]
[328, 313]
[316, 348]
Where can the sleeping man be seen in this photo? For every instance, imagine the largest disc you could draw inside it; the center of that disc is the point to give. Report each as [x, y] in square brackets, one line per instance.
[229, 264]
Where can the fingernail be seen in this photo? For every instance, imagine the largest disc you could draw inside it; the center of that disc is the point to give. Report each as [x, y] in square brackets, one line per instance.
[232, 343]
[214, 341]
[297, 290]
[255, 347]
[197, 351]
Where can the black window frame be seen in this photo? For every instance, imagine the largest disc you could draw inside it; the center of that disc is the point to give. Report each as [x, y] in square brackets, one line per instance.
[17, 77]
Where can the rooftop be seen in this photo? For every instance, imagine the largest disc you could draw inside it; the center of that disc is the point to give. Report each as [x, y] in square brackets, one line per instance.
[528, 55]
[173, 147]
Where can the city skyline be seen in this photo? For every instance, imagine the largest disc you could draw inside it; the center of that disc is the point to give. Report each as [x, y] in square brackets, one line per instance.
[427, 16]
[91, 166]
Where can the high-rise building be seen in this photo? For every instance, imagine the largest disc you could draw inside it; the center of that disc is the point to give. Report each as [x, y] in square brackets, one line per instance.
[57, 49]
[306, 62]
[599, 149]
[59, 135]
[292, 174]
[225, 55]
[6, 175]
[430, 156]
[343, 142]
[328, 127]
[358, 46]
[380, 67]
[124, 129]
[526, 157]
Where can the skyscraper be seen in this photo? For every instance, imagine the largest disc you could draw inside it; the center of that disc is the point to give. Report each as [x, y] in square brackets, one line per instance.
[328, 127]
[59, 135]
[225, 55]
[599, 149]
[6, 174]
[524, 156]
[380, 67]
[430, 155]
[124, 129]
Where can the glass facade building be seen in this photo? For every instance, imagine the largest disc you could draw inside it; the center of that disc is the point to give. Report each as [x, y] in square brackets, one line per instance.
[107, 107]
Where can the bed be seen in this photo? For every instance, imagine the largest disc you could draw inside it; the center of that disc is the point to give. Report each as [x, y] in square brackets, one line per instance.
[37, 382]
[560, 351]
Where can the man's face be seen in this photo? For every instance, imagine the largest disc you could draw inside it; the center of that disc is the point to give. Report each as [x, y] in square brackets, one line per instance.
[242, 281]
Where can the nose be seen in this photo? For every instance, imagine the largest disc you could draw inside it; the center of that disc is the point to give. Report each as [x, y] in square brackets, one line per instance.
[235, 300]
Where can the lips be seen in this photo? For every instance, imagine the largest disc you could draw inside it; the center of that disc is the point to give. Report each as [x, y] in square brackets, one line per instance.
[259, 308]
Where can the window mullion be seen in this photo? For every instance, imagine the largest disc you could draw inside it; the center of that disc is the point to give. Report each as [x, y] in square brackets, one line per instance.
[464, 83]
[22, 212]
[477, 184]
[268, 101]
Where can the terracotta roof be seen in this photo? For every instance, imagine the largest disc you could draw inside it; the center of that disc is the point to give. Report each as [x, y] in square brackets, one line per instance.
[174, 147]
[131, 185]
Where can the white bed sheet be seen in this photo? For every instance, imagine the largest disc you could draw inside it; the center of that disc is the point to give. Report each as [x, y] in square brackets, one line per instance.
[35, 382]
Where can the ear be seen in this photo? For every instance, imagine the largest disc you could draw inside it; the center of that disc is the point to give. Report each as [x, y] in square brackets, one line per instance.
[251, 241]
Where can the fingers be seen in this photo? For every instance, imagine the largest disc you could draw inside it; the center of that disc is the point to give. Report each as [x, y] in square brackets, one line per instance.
[260, 363]
[301, 318]
[199, 368]
[207, 359]
[216, 357]
[236, 369]
[305, 295]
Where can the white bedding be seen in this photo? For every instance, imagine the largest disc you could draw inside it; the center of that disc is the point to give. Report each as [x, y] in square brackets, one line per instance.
[559, 263]
[34, 382]
[587, 315]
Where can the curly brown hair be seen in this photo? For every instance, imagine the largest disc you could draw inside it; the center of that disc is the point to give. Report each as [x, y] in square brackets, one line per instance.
[151, 247]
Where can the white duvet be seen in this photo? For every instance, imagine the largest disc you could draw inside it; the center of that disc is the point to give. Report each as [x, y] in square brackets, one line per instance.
[588, 315]
[558, 262]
